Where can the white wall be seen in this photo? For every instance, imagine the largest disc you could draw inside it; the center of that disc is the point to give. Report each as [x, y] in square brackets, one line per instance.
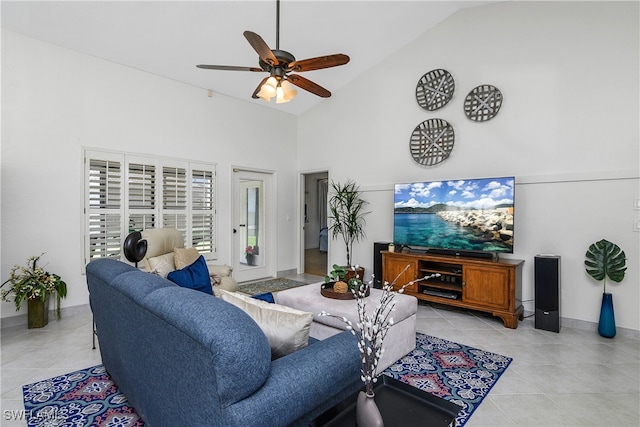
[567, 130]
[56, 101]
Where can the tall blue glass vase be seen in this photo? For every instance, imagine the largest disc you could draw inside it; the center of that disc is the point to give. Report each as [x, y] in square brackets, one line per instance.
[607, 324]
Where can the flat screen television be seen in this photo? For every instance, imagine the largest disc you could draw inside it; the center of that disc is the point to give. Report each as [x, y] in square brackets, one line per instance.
[463, 215]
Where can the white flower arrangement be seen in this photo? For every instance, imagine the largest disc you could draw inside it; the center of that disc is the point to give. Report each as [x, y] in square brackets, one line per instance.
[33, 282]
[371, 330]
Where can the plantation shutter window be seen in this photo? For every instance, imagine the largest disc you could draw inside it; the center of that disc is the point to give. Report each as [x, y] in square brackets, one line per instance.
[174, 198]
[203, 209]
[104, 199]
[126, 193]
[141, 195]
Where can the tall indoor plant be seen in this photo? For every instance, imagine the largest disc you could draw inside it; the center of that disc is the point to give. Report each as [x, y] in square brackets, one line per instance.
[35, 285]
[606, 260]
[347, 214]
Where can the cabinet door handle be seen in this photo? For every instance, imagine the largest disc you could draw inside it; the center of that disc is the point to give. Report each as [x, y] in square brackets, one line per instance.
[464, 283]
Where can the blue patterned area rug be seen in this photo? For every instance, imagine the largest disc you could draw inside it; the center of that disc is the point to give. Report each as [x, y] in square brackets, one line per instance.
[83, 398]
[461, 374]
[455, 372]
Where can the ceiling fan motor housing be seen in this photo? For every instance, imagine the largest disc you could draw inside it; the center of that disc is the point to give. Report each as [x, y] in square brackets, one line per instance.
[284, 59]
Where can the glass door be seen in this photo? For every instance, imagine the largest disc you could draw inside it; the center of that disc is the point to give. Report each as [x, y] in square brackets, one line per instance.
[249, 228]
[252, 257]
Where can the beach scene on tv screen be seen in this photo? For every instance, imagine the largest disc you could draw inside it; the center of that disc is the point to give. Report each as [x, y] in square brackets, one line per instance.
[473, 214]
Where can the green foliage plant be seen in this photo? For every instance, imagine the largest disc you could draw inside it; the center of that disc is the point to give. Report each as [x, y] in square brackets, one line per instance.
[338, 273]
[347, 214]
[605, 260]
[33, 282]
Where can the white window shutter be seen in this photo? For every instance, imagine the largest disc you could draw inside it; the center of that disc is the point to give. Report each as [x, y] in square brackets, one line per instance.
[103, 195]
[203, 208]
[126, 193]
[174, 198]
[141, 194]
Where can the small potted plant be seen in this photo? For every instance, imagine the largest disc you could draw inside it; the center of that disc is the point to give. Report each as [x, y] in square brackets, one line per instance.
[336, 284]
[250, 253]
[34, 284]
[337, 274]
[347, 214]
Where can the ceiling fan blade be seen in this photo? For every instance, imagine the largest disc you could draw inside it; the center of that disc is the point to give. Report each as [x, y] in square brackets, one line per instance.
[255, 92]
[259, 45]
[308, 85]
[319, 62]
[228, 68]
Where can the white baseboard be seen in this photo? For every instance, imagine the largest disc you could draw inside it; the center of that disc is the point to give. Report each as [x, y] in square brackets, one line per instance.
[590, 326]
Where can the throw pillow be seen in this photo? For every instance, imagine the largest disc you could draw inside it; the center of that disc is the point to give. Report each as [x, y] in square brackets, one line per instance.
[267, 296]
[183, 257]
[286, 328]
[217, 272]
[220, 270]
[161, 265]
[194, 276]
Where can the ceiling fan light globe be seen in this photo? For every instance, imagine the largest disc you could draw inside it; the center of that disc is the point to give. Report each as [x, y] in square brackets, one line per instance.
[272, 82]
[288, 90]
[280, 98]
[263, 97]
[267, 92]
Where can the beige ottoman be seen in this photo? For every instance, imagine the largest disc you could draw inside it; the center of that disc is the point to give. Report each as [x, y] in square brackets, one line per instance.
[401, 336]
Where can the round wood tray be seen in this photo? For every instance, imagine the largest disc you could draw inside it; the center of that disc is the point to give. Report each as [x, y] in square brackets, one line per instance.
[326, 289]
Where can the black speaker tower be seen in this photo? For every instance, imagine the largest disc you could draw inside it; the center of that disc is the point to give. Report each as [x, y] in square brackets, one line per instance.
[378, 247]
[547, 292]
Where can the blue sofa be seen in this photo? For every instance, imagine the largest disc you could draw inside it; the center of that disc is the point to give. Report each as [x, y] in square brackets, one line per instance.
[185, 358]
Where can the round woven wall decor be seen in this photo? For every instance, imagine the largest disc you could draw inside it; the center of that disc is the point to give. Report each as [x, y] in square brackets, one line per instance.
[435, 89]
[483, 103]
[431, 142]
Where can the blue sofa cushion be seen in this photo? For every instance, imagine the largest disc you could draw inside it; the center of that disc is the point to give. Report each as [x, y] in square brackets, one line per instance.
[194, 276]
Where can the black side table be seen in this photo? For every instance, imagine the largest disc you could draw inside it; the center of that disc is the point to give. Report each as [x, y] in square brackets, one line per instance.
[400, 405]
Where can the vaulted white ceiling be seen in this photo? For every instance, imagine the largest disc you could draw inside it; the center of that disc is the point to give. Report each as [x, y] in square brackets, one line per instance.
[168, 38]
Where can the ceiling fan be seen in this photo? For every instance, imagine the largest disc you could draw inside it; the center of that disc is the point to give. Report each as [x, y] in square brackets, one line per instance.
[280, 65]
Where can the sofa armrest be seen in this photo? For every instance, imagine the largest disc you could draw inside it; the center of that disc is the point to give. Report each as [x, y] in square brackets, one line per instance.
[306, 383]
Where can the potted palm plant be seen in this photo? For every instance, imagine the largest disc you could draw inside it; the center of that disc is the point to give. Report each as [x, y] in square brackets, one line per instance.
[346, 208]
[606, 260]
[35, 285]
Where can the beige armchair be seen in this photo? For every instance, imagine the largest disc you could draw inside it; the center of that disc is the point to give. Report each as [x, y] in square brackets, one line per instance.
[165, 252]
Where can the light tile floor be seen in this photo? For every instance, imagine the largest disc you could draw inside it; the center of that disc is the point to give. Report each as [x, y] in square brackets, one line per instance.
[571, 378]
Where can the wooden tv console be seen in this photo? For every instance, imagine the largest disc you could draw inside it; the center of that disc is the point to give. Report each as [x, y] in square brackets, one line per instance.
[485, 285]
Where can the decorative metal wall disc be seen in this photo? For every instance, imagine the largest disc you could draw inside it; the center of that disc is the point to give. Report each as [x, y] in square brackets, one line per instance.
[431, 142]
[483, 103]
[435, 89]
